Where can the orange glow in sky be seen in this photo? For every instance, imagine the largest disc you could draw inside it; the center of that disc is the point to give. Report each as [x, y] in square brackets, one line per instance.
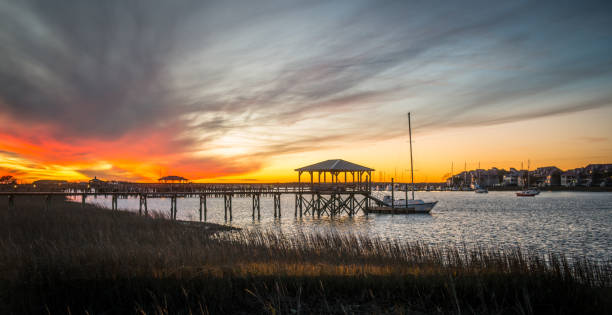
[545, 141]
[220, 92]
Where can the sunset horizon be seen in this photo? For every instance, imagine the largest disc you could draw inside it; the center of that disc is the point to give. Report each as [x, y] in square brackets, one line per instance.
[254, 92]
[305, 157]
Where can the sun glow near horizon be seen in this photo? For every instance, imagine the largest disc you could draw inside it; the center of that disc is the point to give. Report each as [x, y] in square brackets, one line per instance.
[247, 93]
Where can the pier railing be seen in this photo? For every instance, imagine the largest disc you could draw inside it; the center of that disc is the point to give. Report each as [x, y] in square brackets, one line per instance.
[320, 199]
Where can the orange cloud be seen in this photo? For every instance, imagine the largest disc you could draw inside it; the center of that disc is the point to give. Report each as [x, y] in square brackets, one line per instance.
[32, 153]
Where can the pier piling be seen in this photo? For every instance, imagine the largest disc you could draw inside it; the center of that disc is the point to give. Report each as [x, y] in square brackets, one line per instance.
[47, 202]
[256, 206]
[203, 206]
[227, 201]
[11, 202]
[277, 205]
[114, 202]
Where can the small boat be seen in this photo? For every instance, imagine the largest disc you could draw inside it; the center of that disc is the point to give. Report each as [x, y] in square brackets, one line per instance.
[528, 193]
[413, 206]
[405, 205]
[480, 190]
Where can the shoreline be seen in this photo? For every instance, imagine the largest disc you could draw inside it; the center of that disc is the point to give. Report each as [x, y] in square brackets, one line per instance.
[99, 261]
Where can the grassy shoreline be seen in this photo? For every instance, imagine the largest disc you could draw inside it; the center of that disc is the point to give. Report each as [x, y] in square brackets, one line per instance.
[103, 262]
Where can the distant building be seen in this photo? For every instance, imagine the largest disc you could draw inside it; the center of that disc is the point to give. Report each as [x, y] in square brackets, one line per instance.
[545, 171]
[553, 180]
[571, 178]
[491, 178]
[591, 175]
[597, 174]
[172, 179]
[511, 179]
[43, 182]
[96, 182]
[546, 176]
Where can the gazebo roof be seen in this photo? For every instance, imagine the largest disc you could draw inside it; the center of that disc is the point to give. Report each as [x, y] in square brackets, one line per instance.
[177, 178]
[337, 165]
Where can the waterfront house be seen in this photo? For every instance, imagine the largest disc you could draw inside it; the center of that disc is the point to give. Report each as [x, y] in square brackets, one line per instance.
[546, 176]
[571, 178]
[96, 182]
[511, 178]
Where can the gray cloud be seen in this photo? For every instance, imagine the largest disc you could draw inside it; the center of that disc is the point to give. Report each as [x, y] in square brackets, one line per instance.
[94, 68]
[105, 68]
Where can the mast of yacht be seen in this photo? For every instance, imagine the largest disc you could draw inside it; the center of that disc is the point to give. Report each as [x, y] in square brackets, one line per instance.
[411, 164]
[528, 165]
[520, 174]
[464, 173]
[452, 176]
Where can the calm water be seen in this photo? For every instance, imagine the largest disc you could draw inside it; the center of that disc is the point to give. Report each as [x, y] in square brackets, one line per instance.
[574, 223]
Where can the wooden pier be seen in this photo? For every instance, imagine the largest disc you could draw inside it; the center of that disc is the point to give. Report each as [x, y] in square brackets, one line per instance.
[314, 198]
[313, 203]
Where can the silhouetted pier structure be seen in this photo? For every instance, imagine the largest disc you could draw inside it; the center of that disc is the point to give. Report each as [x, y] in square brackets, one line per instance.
[336, 197]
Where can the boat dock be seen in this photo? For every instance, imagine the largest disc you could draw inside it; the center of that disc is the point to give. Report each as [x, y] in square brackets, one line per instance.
[317, 197]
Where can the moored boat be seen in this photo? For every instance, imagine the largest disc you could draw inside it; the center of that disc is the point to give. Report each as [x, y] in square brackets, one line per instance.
[405, 205]
[412, 205]
[528, 193]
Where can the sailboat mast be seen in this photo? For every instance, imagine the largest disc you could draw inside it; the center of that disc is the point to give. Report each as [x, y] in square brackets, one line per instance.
[464, 173]
[411, 165]
[479, 174]
[528, 165]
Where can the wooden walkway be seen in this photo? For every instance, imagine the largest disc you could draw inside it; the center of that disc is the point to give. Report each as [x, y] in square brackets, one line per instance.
[323, 200]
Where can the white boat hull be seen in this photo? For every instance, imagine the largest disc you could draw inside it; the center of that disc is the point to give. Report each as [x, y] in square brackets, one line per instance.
[423, 208]
[418, 206]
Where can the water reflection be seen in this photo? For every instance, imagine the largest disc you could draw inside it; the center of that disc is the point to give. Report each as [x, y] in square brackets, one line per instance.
[573, 223]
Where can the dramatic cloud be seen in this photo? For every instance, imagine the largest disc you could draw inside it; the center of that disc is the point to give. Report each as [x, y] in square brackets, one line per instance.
[213, 88]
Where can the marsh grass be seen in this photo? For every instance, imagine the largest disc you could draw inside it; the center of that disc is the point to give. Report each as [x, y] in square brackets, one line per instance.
[73, 260]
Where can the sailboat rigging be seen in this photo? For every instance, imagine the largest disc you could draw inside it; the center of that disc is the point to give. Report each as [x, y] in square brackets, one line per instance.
[413, 205]
[479, 188]
[529, 192]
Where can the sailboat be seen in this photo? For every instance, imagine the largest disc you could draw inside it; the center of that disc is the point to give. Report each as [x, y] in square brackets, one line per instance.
[529, 192]
[480, 189]
[414, 205]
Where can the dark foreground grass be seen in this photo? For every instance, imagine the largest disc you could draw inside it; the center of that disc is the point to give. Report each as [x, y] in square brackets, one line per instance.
[73, 260]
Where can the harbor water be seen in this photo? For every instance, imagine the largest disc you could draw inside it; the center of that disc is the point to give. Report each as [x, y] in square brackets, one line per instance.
[577, 224]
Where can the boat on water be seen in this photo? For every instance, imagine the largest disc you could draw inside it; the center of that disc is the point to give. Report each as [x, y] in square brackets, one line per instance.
[528, 193]
[406, 205]
[410, 205]
[478, 189]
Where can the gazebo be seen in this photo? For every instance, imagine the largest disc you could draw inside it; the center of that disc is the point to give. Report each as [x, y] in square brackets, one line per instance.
[336, 168]
[172, 179]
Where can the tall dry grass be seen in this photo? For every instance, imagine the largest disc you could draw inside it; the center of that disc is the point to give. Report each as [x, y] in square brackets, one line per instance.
[93, 260]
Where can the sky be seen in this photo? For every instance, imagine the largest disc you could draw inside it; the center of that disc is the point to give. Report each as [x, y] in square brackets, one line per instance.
[247, 91]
